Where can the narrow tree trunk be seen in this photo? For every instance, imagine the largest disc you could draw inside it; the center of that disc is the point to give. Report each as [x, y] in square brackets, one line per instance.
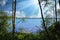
[43, 20]
[13, 16]
[56, 10]
[56, 15]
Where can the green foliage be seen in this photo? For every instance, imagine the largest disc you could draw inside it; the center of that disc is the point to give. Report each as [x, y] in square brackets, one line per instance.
[3, 21]
[20, 37]
[54, 34]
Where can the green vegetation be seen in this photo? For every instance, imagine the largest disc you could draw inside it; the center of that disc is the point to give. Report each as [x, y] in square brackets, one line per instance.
[3, 21]
[54, 34]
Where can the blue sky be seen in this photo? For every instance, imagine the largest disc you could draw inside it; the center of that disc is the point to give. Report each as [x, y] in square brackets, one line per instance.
[25, 7]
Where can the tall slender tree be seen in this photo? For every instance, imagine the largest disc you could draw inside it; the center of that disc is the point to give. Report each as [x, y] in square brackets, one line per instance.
[13, 16]
[56, 9]
[43, 20]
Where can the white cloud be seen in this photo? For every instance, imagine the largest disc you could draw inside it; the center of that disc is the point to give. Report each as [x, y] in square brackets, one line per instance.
[18, 14]
[57, 6]
[36, 16]
[39, 14]
[21, 14]
[3, 2]
[50, 13]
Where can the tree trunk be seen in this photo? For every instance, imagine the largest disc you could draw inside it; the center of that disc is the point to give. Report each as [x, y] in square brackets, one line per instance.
[43, 20]
[13, 17]
[56, 10]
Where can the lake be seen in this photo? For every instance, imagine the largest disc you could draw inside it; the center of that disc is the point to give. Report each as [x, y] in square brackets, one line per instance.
[31, 25]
